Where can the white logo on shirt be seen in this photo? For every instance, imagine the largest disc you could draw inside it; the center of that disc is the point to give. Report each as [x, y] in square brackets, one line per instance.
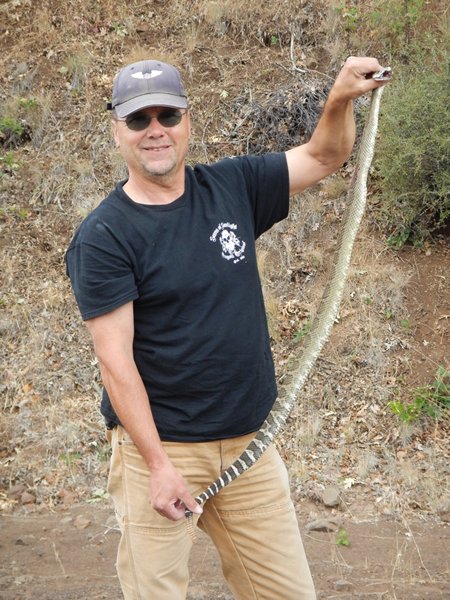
[232, 247]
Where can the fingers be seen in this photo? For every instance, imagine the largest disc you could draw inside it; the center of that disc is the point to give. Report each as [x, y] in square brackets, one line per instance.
[356, 77]
[191, 504]
[169, 495]
[173, 509]
[362, 65]
[176, 509]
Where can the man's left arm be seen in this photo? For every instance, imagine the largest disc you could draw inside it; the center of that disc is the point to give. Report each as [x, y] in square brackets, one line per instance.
[333, 138]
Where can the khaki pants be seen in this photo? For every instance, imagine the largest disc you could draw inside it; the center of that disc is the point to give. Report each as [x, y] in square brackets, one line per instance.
[252, 523]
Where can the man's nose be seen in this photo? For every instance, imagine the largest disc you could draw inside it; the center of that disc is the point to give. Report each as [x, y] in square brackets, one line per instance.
[154, 127]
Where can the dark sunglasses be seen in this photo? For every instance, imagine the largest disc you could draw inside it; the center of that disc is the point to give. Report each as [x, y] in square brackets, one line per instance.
[169, 117]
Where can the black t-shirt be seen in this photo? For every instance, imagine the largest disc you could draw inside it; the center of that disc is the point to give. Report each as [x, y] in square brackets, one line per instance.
[201, 342]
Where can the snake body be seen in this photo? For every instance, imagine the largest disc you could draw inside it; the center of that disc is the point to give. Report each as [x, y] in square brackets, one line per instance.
[326, 313]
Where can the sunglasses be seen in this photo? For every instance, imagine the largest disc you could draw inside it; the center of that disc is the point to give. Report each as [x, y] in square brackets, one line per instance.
[169, 117]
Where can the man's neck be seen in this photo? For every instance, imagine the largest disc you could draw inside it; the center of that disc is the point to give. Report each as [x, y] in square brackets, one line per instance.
[156, 190]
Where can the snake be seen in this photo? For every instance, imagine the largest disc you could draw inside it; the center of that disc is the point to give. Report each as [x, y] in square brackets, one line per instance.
[327, 313]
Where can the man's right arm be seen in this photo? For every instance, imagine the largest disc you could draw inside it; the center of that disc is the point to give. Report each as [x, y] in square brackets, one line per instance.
[113, 334]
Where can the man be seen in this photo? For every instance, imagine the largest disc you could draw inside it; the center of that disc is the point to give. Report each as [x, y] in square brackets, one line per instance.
[164, 272]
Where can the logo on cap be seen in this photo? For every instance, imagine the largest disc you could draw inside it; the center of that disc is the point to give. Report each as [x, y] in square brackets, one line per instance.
[141, 75]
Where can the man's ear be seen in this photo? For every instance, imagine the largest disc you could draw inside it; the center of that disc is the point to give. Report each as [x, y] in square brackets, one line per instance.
[189, 123]
[115, 132]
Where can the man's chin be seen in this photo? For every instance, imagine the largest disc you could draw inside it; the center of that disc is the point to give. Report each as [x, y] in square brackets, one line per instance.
[160, 169]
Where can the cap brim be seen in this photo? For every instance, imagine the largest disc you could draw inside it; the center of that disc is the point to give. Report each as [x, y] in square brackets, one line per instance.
[148, 100]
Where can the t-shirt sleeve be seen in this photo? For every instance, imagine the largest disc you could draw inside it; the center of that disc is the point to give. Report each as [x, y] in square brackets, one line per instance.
[267, 182]
[100, 270]
[263, 181]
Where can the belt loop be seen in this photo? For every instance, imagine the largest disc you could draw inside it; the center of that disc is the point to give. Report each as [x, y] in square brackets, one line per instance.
[120, 433]
[109, 435]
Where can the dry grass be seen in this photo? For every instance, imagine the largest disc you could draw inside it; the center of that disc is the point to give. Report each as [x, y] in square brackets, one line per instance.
[240, 68]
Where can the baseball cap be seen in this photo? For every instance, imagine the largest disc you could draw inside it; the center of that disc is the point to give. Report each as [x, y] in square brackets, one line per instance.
[147, 83]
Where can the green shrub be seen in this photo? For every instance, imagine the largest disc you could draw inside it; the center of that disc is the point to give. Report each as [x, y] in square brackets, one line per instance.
[8, 163]
[412, 160]
[398, 22]
[398, 31]
[413, 149]
[428, 401]
[11, 130]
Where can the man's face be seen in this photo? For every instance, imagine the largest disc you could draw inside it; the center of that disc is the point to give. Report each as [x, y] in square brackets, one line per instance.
[156, 152]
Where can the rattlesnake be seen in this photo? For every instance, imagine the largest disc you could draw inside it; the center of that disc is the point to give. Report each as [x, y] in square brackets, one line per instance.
[327, 311]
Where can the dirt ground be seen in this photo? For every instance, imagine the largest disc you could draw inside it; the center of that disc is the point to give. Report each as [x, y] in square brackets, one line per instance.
[69, 555]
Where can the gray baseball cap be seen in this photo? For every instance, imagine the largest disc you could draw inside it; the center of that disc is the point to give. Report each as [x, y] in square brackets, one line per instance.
[147, 83]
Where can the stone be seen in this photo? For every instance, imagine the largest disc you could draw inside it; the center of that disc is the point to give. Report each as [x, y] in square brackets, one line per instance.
[322, 525]
[67, 497]
[82, 522]
[16, 491]
[342, 585]
[331, 496]
[27, 498]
